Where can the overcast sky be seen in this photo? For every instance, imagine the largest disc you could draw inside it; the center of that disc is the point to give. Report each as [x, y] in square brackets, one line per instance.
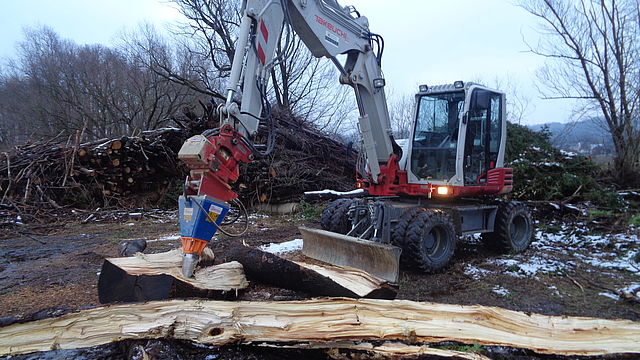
[427, 41]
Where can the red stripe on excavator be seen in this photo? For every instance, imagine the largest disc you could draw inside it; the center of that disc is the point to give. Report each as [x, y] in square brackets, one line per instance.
[261, 54]
[264, 31]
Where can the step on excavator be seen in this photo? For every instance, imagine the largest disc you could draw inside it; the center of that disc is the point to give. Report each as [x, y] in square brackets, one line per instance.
[419, 198]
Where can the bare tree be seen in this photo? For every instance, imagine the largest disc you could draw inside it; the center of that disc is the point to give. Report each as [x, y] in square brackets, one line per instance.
[309, 87]
[593, 50]
[518, 105]
[401, 111]
[174, 59]
[305, 85]
[56, 86]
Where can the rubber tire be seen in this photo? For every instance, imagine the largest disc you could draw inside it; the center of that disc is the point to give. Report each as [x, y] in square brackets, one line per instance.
[416, 250]
[399, 231]
[502, 238]
[334, 218]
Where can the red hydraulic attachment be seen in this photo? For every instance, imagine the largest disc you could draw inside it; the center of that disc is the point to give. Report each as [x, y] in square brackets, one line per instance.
[392, 181]
[217, 164]
[214, 162]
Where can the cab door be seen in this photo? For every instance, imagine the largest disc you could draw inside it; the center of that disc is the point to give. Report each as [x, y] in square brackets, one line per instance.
[484, 125]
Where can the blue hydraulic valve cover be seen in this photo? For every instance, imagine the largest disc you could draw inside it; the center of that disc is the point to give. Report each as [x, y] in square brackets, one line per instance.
[194, 222]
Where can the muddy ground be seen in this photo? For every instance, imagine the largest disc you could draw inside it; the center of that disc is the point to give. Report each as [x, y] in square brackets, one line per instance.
[568, 270]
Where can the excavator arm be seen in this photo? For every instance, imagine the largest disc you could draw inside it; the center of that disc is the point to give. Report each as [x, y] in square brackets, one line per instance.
[328, 30]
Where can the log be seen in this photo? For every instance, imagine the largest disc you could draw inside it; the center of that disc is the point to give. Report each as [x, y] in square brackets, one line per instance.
[116, 145]
[145, 277]
[386, 350]
[323, 280]
[325, 321]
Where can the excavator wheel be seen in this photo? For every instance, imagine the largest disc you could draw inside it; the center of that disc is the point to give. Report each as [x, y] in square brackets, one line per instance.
[400, 229]
[513, 229]
[430, 240]
[334, 217]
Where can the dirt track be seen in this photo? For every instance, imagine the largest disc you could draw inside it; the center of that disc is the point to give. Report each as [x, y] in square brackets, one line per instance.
[558, 275]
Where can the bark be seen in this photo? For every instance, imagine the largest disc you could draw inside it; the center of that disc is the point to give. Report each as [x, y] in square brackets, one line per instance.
[322, 280]
[323, 321]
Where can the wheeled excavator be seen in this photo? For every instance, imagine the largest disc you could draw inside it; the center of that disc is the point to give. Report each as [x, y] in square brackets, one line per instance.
[419, 198]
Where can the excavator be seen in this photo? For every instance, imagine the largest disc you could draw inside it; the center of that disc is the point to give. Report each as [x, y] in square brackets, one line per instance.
[419, 198]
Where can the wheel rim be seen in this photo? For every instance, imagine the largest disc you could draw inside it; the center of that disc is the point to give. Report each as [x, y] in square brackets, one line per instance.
[519, 229]
[435, 242]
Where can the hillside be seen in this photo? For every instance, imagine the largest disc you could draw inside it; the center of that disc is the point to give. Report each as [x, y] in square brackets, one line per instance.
[587, 137]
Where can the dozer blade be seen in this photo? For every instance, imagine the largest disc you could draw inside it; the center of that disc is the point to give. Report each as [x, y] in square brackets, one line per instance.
[381, 260]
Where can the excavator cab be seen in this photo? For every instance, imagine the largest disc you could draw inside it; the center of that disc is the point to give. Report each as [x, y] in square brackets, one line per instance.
[458, 135]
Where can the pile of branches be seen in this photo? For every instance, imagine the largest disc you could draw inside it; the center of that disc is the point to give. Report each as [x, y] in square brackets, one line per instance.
[43, 176]
[39, 178]
[543, 173]
[302, 160]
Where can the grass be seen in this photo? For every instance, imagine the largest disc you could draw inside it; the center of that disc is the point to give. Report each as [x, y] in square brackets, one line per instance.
[309, 211]
[552, 228]
[513, 268]
[635, 220]
[596, 214]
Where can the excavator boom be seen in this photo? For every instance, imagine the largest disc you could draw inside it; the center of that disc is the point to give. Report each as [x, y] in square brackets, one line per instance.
[328, 30]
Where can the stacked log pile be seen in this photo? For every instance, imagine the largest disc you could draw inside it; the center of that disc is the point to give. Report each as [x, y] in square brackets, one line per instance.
[52, 176]
[139, 171]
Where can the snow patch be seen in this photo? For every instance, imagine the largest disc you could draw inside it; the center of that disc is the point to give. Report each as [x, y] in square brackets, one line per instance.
[610, 295]
[611, 251]
[529, 267]
[282, 248]
[554, 290]
[625, 262]
[333, 192]
[167, 238]
[475, 272]
[500, 290]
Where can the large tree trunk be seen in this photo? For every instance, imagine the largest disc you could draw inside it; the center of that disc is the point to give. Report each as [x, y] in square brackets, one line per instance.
[323, 320]
[322, 280]
[625, 164]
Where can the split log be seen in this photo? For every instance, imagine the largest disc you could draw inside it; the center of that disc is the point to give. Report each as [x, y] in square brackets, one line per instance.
[325, 321]
[323, 280]
[145, 277]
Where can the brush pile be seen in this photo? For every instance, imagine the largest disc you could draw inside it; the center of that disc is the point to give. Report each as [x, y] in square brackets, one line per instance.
[144, 171]
[302, 160]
